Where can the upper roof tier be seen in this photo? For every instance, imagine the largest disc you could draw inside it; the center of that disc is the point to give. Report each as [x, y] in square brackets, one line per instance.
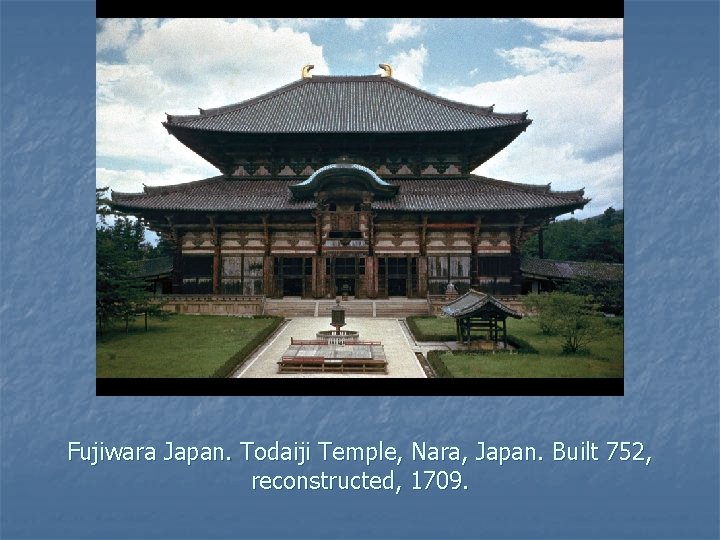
[347, 104]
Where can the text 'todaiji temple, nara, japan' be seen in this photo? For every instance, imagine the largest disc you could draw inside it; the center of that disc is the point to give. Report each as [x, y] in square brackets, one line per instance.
[354, 185]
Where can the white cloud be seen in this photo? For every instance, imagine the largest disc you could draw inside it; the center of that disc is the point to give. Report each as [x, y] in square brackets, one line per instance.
[530, 60]
[408, 66]
[294, 23]
[403, 30]
[589, 27]
[356, 24]
[132, 180]
[114, 33]
[179, 65]
[574, 93]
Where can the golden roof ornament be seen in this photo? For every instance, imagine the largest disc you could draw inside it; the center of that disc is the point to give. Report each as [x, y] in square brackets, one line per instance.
[387, 70]
[305, 71]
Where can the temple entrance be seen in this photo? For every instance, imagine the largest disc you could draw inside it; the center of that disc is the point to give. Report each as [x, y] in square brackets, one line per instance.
[292, 287]
[397, 287]
[344, 287]
[344, 274]
[397, 276]
[293, 276]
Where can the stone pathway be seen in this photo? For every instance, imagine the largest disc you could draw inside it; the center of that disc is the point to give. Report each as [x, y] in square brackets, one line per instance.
[398, 344]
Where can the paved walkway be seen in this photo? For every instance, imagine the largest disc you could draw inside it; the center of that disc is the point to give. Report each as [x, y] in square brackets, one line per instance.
[399, 348]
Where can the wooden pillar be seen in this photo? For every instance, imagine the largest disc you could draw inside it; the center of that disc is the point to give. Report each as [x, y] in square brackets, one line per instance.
[177, 276]
[457, 330]
[505, 332]
[474, 263]
[319, 277]
[268, 274]
[408, 277]
[422, 276]
[216, 256]
[371, 276]
[216, 270]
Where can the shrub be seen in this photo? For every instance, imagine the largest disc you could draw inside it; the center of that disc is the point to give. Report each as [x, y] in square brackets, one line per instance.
[435, 361]
[571, 316]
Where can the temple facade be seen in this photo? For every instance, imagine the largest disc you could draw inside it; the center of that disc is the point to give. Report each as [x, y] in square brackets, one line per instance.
[353, 185]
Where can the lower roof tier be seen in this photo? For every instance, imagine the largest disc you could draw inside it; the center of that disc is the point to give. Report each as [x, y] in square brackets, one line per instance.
[467, 193]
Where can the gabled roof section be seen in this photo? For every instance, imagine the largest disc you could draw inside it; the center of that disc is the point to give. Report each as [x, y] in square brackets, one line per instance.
[553, 269]
[348, 104]
[339, 173]
[477, 304]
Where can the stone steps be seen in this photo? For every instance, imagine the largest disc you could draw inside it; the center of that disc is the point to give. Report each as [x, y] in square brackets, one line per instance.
[391, 308]
[353, 308]
[289, 307]
[401, 308]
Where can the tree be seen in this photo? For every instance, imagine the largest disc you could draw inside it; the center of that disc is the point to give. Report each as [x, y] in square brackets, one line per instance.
[119, 293]
[575, 318]
[599, 238]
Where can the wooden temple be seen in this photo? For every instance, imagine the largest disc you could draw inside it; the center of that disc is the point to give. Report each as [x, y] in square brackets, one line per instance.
[347, 184]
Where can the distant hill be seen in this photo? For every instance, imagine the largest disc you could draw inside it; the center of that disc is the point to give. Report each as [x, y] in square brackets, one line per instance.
[598, 238]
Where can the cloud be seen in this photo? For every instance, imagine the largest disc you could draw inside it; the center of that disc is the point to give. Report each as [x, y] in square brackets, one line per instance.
[178, 65]
[132, 180]
[294, 23]
[531, 60]
[356, 24]
[114, 33]
[408, 66]
[588, 27]
[573, 91]
[403, 30]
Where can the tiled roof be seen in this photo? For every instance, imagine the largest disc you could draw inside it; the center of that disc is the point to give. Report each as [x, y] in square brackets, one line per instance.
[474, 303]
[571, 269]
[414, 194]
[152, 267]
[364, 104]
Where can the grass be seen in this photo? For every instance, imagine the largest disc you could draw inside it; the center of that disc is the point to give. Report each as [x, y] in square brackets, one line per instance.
[182, 346]
[604, 357]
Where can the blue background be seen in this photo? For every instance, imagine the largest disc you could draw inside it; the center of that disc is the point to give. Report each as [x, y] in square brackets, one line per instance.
[672, 341]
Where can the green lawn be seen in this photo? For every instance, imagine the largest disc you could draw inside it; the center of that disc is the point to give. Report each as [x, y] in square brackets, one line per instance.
[603, 359]
[182, 346]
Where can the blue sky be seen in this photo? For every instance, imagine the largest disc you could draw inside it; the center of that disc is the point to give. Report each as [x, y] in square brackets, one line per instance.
[566, 72]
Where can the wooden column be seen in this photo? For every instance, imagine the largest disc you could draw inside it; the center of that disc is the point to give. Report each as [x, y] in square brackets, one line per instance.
[216, 270]
[268, 282]
[422, 276]
[216, 256]
[177, 276]
[318, 276]
[515, 276]
[474, 263]
[422, 268]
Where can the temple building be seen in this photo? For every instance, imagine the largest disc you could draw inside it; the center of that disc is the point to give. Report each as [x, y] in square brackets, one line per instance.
[353, 185]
